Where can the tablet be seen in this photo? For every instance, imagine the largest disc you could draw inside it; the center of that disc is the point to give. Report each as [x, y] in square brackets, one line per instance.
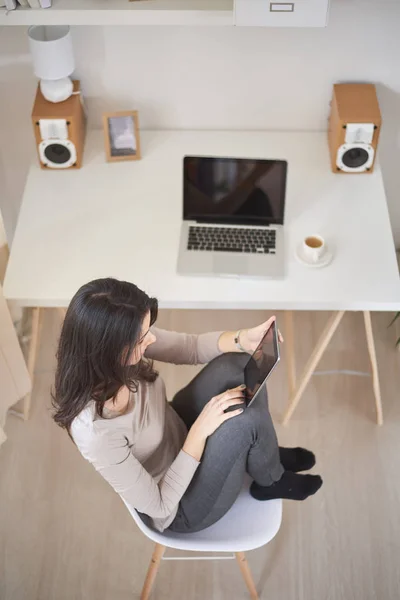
[261, 364]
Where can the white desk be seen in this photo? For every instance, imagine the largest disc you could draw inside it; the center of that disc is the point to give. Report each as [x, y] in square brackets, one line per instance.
[123, 220]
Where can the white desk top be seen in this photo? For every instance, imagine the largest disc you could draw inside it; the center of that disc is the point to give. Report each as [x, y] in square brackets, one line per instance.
[123, 220]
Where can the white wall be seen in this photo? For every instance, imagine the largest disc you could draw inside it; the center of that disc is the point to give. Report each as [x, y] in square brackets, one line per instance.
[17, 86]
[228, 78]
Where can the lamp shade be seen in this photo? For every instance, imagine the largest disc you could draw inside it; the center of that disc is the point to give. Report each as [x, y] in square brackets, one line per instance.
[51, 50]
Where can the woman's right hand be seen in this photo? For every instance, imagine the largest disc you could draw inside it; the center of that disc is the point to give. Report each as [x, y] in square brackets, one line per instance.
[210, 418]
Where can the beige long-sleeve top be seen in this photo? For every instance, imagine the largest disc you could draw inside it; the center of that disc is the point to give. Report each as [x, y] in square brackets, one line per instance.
[140, 452]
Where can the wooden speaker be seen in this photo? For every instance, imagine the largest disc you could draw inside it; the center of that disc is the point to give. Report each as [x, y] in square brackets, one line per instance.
[59, 130]
[354, 127]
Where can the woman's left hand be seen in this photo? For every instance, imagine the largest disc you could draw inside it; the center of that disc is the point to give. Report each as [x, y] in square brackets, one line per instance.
[250, 338]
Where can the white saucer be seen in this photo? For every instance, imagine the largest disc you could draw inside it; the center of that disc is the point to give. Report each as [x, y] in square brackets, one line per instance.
[304, 260]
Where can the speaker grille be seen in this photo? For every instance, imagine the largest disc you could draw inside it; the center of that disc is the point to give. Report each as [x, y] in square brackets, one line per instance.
[57, 153]
[355, 158]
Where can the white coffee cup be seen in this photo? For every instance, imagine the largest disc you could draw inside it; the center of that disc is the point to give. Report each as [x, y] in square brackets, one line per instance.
[314, 248]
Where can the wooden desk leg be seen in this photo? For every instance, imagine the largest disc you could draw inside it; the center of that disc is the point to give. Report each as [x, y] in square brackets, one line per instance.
[32, 352]
[290, 352]
[313, 361]
[247, 576]
[62, 312]
[33, 346]
[374, 365]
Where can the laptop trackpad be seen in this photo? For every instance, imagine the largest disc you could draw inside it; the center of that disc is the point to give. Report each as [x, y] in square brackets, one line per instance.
[232, 264]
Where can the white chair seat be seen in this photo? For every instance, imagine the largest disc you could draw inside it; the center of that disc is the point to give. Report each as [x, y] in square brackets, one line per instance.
[249, 524]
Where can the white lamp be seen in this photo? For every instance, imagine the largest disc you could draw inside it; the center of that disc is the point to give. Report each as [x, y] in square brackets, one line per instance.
[53, 60]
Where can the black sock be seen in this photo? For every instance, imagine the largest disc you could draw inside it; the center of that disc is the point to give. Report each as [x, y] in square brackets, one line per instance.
[290, 486]
[296, 459]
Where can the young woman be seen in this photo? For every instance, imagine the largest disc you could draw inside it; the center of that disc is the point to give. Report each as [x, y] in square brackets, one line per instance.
[181, 465]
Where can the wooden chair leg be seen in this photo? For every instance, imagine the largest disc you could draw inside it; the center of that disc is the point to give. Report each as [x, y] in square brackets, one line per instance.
[152, 571]
[247, 576]
[290, 352]
[374, 365]
[313, 361]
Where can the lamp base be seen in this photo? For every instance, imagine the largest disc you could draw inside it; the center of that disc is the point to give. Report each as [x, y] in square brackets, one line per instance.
[58, 90]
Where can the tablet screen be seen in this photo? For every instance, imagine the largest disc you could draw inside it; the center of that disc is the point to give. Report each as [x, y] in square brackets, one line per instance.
[261, 363]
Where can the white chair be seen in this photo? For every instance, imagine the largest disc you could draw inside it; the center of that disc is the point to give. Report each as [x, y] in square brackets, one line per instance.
[248, 525]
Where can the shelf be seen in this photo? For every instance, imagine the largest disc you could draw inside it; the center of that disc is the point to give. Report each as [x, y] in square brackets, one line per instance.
[123, 12]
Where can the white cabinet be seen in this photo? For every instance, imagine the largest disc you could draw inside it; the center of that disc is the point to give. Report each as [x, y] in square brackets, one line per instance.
[277, 13]
[264, 13]
[122, 12]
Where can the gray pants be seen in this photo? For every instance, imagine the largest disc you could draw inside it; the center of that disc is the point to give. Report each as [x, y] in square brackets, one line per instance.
[245, 443]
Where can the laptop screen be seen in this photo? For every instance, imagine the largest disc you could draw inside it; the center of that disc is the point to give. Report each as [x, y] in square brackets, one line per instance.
[237, 191]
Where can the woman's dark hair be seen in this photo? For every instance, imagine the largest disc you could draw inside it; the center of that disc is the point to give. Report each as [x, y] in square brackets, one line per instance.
[101, 328]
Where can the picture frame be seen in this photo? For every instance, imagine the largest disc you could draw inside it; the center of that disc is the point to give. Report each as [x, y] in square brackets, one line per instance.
[121, 135]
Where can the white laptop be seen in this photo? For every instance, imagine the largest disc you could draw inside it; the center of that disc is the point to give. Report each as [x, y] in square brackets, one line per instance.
[233, 215]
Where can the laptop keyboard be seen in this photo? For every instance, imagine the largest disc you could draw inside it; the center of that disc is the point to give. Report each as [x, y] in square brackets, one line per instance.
[232, 239]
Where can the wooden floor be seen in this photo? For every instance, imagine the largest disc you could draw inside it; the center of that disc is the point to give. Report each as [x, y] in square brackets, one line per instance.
[65, 535]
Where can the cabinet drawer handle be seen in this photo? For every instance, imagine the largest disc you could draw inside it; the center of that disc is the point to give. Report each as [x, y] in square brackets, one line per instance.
[281, 7]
